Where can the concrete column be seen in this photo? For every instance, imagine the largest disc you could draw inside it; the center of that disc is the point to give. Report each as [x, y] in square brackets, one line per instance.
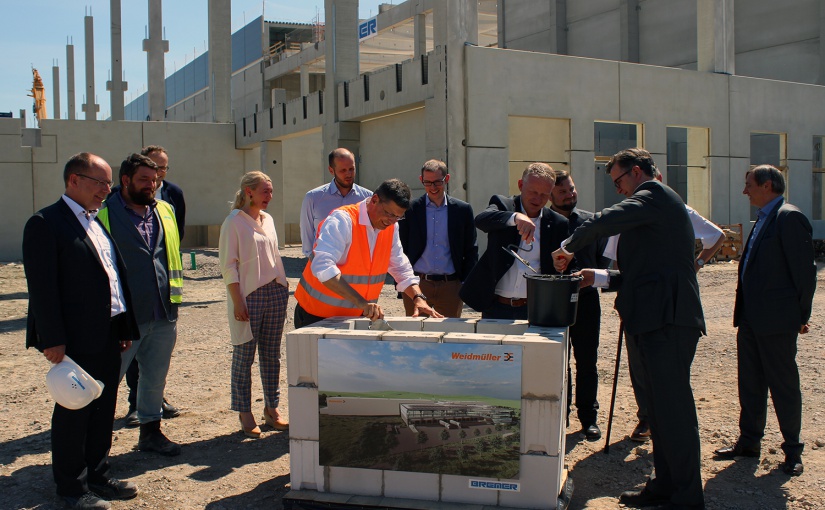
[90, 107]
[56, 90]
[714, 37]
[629, 13]
[116, 86]
[455, 23]
[272, 164]
[70, 81]
[558, 27]
[821, 78]
[155, 46]
[420, 35]
[341, 44]
[304, 80]
[220, 59]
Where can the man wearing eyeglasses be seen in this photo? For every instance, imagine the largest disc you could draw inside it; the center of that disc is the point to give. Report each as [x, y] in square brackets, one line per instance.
[321, 201]
[658, 301]
[356, 246]
[439, 237]
[496, 286]
[80, 306]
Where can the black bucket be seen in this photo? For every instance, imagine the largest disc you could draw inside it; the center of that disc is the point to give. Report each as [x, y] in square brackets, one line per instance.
[552, 300]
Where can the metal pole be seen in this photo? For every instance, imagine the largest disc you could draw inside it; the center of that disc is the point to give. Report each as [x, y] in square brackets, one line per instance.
[615, 383]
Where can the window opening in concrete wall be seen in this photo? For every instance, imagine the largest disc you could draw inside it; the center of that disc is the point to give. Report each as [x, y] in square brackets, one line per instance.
[537, 139]
[818, 180]
[770, 149]
[608, 139]
[687, 171]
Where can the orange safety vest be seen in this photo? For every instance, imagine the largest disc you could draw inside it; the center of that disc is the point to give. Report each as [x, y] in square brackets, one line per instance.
[365, 275]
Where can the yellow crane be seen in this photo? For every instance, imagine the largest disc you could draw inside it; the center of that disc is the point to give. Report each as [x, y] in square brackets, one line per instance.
[39, 95]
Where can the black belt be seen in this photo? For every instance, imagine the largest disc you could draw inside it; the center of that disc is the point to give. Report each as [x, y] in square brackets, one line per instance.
[437, 277]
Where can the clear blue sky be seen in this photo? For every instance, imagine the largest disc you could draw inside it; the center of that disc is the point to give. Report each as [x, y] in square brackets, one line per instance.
[35, 34]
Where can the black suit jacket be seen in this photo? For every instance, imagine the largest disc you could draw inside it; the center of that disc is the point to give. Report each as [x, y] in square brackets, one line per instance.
[171, 192]
[460, 230]
[479, 288]
[776, 291]
[657, 284]
[69, 297]
[592, 255]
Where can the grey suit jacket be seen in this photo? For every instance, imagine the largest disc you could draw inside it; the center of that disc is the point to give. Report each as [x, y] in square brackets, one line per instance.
[776, 290]
[657, 283]
[148, 269]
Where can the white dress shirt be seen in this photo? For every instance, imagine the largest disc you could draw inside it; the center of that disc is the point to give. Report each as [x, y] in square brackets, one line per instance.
[513, 284]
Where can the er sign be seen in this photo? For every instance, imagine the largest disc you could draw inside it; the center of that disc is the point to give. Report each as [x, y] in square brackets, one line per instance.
[367, 29]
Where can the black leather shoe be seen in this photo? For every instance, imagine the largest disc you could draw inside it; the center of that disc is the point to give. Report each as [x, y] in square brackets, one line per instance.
[792, 466]
[131, 419]
[114, 489]
[642, 498]
[641, 434]
[592, 433]
[737, 450]
[169, 411]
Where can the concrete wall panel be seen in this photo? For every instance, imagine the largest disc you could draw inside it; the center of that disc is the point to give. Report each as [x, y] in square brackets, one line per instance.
[392, 146]
[667, 32]
[607, 28]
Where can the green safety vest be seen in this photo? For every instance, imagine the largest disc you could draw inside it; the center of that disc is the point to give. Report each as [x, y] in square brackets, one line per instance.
[172, 238]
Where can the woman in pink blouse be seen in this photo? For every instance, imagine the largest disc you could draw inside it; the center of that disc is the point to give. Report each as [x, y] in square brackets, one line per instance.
[257, 292]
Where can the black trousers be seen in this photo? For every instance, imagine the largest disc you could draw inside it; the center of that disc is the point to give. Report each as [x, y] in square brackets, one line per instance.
[132, 376]
[769, 362]
[81, 439]
[584, 337]
[304, 318]
[667, 355]
[637, 376]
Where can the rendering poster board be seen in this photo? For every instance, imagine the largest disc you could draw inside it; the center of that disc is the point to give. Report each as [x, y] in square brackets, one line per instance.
[448, 408]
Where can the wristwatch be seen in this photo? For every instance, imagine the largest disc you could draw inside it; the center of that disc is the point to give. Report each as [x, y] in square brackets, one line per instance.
[700, 263]
[420, 295]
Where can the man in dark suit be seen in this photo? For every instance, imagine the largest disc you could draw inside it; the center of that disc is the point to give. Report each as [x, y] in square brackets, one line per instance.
[658, 302]
[495, 287]
[79, 305]
[171, 193]
[584, 334]
[439, 238]
[777, 280]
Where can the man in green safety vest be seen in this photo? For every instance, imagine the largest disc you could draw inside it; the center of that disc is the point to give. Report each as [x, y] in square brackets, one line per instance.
[146, 233]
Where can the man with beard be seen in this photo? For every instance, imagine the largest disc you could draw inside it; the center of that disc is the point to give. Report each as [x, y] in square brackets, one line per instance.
[146, 232]
[321, 201]
[584, 335]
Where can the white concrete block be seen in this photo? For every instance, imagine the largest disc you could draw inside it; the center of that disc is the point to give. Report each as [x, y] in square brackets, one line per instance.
[540, 483]
[405, 323]
[302, 355]
[363, 482]
[543, 366]
[404, 484]
[412, 336]
[335, 323]
[501, 326]
[354, 334]
[450, 325]
[472, 338]
[456, 489]
[304, 469]
[303, 413]
[546, 332]
[360, 323]
[541, 426]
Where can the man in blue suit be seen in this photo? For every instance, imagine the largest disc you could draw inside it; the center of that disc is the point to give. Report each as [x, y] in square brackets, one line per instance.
[439, 238]
[777, 280]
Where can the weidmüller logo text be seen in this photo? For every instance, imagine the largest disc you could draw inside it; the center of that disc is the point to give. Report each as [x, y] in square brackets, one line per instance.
[469, 356]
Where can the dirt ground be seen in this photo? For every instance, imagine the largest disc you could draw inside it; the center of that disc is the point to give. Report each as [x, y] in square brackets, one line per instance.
[220, 469]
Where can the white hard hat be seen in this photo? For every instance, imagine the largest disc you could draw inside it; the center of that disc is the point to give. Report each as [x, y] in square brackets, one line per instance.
[71, 386]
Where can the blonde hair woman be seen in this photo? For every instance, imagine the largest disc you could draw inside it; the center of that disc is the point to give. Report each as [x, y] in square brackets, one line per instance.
[257, 292]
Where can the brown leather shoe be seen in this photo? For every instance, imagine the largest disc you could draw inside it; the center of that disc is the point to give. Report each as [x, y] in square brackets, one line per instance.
[253, 432]
[737, 450]
[276, 423]
[641, 434]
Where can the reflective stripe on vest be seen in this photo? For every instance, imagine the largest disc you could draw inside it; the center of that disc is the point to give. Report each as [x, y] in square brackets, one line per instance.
[364, 273]
[172, 240]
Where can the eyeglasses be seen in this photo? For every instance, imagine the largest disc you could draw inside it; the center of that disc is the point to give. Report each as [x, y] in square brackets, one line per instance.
[388, 214]
[107, 184]
[619, 178]
[437, 183]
